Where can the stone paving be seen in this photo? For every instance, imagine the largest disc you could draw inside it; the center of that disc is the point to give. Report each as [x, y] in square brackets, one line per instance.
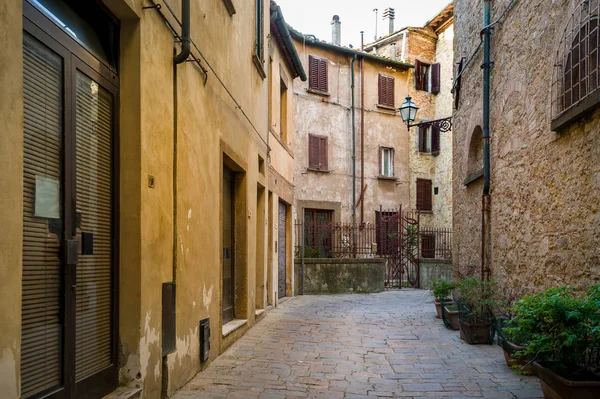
[358, 347]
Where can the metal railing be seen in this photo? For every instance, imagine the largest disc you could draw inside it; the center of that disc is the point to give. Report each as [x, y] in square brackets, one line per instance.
[436, 243]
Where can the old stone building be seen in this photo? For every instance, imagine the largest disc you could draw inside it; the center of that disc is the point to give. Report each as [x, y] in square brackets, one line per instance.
[430, 49]
[137, 197]
[544, 124]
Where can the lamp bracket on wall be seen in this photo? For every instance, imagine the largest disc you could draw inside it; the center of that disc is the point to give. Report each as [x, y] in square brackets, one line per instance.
[444, 124]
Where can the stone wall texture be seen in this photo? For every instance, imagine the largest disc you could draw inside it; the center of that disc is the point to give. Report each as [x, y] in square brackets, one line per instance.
[545, 185]
[340, 276]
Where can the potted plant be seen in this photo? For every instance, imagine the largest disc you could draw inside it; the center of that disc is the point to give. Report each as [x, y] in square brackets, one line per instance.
[450, 316]
[513, 344]
[476, 301]
[563, 330]
[441, 290]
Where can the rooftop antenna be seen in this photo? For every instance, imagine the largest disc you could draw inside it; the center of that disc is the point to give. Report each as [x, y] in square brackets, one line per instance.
[375, 10]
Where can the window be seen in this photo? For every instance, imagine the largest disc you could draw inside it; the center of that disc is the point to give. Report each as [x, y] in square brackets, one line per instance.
[283, 94]
[259, 47]
[424, 198]
[387, 227]
[317, 152]
[386, 91]
[428, 246]
[386, 162]
[317, 74]
[427, 77]
[429, 139]
[576, 87]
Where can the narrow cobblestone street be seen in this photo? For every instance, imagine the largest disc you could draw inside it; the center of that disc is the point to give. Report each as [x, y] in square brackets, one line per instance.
[358, 346]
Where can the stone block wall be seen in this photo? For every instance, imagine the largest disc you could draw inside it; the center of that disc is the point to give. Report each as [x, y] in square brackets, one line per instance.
[545, 184]
[340, 276]
[430, 269]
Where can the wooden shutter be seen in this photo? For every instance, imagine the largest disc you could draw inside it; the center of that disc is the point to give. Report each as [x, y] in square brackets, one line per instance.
[313, 152]
[435, 78]
[424, 200]
[435, 139]
[323, 76]
[459, 68]
[323, 159]
[313, 72]
[418, 75]
[381, 83]
[422, 138]
[380, 160]
[94, 128]
[41, 320]
[390, 92]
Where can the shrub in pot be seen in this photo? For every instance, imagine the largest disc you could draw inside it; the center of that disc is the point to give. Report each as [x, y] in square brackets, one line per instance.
[450, 316]
[441, 290]
[563, 330]
[513, 344]
[476, 301]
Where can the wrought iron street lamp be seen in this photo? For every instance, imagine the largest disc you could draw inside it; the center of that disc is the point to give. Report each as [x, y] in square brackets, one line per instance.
[408, 111]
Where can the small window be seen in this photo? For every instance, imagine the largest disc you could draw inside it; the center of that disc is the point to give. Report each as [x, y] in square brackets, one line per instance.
[424, 197]
[427, 77]
[259, 31]
[317, 152]
[386, 91]
[317, 74]
[386, 161]
[429, 139]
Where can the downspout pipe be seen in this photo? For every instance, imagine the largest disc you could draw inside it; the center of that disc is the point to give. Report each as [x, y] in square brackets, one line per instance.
[362, 130]
[486, 96]
[185, 33]
[486, 199]
[353, 145]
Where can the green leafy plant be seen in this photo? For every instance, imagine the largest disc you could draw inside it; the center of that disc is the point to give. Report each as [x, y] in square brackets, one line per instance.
[310, 252]
[477, 300]
[441, 289]
[562, 329]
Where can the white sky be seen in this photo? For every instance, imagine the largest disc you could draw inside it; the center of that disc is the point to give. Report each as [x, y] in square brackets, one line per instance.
[314, 16]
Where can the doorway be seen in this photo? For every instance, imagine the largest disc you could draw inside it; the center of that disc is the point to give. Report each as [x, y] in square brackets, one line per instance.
[228, 245]
[281, 251]
[69, 304]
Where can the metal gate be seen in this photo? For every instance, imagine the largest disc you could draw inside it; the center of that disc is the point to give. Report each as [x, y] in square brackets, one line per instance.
[398, 242]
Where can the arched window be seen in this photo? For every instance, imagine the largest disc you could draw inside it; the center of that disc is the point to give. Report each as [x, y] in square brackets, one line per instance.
[475, 156]
[576, 80]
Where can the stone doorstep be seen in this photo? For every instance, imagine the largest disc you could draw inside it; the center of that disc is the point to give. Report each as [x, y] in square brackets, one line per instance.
[124, 393]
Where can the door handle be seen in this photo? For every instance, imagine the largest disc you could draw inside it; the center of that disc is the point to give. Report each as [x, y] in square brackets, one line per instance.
[72, 252]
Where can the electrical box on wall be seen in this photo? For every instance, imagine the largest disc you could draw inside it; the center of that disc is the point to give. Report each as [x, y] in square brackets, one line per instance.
[204, 339]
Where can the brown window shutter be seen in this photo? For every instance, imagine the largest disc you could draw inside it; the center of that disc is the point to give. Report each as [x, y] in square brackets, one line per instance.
[419, 194]
[313, 71]
[390, 91]
[380, 160]
[323, 153]
[457, 84]
[427, 188]
[422, 133]
[393, 153]
[381, 86]
[418, 75]
[435, 139]
[435, 78]
[313, 152]
[322, 85]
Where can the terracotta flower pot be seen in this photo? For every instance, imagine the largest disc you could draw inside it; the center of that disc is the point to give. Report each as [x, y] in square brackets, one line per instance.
[438, 306]
[479, 333]
[509, 350]
[557, 387]
[452, 317]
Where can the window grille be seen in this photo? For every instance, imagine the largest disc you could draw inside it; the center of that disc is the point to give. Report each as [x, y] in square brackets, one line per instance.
[575, 81]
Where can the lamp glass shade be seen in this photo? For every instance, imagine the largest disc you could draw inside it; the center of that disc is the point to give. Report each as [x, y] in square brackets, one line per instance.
[408, 110]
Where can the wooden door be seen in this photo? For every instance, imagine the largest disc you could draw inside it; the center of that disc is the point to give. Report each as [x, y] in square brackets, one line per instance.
[228, 247]
[281, 249]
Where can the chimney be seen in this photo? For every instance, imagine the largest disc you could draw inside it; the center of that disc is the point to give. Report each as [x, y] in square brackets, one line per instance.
[336, 31]
[390, 14]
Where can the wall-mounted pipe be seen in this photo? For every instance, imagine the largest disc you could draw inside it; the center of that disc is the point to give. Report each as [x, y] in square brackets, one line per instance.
[185, 33]
[486, 198]
[362, 130]
[353, 145]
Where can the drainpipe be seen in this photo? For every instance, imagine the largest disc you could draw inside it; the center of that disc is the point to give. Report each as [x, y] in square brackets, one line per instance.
[353, 146]
[486, 199]
[362, 129]
[185, 33]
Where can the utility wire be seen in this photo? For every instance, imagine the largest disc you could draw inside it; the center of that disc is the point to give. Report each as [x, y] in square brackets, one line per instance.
[237, 104]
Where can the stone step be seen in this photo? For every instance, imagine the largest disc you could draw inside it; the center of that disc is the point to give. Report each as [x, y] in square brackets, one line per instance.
[124, 393]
